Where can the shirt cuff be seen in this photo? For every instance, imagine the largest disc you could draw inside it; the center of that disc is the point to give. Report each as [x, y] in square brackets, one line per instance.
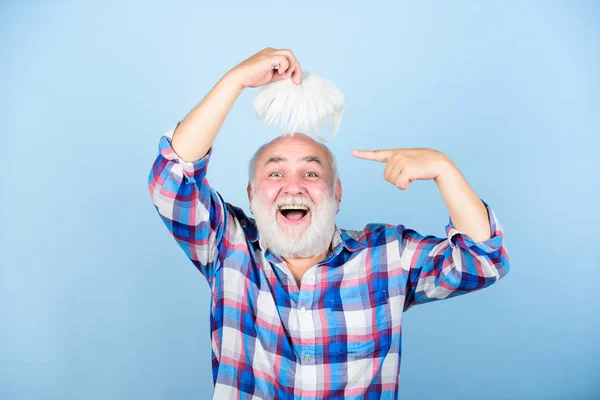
[192, 171]
[462, 240]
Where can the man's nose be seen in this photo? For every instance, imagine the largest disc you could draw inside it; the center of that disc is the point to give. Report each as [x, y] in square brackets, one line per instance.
[293, 187]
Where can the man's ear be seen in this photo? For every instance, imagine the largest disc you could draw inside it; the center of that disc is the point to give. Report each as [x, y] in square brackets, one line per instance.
[249, 190]
[338, 193]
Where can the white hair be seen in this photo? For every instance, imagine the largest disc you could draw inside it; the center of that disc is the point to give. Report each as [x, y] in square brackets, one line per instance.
[313, 106]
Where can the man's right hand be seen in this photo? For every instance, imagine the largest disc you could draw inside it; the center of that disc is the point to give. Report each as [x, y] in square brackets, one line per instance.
[259, 69]
[196, 133]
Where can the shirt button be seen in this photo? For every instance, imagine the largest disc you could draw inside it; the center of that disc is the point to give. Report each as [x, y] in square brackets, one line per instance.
[307, 358]
[303, 310]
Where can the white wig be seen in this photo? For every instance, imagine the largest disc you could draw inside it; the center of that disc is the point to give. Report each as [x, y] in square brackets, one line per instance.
[308, 107]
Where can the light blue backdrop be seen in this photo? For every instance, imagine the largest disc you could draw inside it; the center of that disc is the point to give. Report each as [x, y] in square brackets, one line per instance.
[97, 301]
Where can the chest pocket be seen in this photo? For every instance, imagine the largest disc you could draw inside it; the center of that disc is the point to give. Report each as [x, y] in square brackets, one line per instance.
[361, 324]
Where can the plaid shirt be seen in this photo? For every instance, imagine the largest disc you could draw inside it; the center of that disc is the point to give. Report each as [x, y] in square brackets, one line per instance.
[339, 334]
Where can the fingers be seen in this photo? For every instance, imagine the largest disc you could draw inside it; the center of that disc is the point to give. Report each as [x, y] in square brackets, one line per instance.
[290, 59]
[293, 68]
[397, 174]
[280, 62]
[297, 74]
[391, 171]
[374, 155]
[284, 62]
[395, 171]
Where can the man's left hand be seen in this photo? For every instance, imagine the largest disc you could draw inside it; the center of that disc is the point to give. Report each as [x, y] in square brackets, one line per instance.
[406, 165]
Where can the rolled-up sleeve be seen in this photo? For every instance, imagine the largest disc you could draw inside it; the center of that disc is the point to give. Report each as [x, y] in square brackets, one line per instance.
[441, 268]
[192, 171]
[191, 210]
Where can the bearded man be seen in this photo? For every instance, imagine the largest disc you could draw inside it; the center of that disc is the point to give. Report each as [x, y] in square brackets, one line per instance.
[300, 308]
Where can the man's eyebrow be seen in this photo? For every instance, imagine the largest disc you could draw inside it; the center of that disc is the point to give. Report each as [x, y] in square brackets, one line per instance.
[275, 160]
[312, 159]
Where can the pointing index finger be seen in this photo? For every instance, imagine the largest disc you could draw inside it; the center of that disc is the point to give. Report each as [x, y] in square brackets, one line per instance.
[374, 155]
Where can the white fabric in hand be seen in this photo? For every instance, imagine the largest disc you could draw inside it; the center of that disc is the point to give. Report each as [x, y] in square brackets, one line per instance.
[310, 107]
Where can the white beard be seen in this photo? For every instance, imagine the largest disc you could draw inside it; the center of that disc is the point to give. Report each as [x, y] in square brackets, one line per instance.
[308, 239]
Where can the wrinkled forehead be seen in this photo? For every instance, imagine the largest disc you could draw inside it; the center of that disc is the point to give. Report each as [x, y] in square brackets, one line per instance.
[293, 150]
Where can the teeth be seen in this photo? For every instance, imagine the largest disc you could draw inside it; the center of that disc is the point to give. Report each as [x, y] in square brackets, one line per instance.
[293, 207]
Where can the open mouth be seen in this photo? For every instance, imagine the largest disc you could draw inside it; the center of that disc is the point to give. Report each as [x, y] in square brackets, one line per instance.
[294, 213]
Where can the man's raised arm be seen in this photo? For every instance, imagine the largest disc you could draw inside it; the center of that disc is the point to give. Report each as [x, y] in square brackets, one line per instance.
[196, 133]
[472, 256]
[193, 212]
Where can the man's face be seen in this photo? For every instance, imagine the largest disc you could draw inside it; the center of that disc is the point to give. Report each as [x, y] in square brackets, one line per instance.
[294, 200]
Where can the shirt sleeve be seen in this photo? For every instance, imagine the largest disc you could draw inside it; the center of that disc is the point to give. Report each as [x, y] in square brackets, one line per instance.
[441, 268]
[192, 211]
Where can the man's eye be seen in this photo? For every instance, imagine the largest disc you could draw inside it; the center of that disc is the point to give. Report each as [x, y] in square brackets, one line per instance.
[276, 174]
[310, 175]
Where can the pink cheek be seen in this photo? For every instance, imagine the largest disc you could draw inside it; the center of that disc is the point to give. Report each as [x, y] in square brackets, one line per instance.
[269, 191]
[317, 191]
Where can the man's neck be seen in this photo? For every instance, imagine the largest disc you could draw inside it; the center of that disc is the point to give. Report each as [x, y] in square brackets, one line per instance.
[302, 264]
[299, 266]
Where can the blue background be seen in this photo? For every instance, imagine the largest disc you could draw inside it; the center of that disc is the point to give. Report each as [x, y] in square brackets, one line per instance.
[97, 301]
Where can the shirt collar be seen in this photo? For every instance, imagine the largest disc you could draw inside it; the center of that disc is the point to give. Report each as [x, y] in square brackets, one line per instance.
[353, 240]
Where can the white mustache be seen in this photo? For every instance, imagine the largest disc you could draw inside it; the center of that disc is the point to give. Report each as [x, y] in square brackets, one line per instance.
[293, 201]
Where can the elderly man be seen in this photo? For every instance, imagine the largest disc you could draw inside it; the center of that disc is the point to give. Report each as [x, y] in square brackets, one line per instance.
[300, 308]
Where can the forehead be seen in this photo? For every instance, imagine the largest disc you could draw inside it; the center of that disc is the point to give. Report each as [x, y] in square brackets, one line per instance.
[294, 149]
